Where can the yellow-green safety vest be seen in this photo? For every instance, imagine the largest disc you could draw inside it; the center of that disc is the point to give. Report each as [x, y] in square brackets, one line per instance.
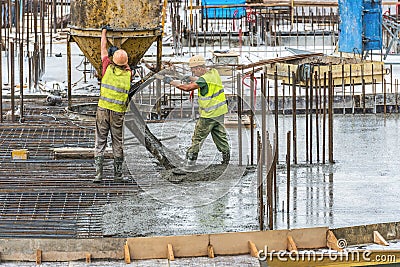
[213, 104]
[114, 89]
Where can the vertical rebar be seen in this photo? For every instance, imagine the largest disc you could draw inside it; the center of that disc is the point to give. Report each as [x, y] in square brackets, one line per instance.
[311, 113]
[317, 85]
[276, 114]
[12, 83]
[294, 114]
[324, 121]
[1, 67]
[330, 118]
[263, 115]
[69, 74]
[239, 107]
[252, 113]
[306, 112]
[21, 80]
[288, 172]
[260, 185]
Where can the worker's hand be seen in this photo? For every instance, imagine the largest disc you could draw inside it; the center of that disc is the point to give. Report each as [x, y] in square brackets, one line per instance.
[175, 83]
[106, 27]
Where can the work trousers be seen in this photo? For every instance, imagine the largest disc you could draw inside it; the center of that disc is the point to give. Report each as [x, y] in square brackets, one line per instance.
[109, 121]
[204, 126]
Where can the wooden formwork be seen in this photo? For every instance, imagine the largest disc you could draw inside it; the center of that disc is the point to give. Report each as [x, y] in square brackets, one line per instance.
[344, 70]
[274, 242]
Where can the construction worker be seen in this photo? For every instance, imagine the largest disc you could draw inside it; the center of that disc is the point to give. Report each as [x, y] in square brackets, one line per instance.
[112, 105]
[212, 107]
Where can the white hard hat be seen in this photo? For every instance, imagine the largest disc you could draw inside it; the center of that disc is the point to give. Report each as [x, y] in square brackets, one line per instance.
[196, 61]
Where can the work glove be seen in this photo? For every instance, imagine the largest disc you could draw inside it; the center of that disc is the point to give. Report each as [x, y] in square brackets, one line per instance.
[187, 79]
[106, 27]
[167, 79]
[111, 50]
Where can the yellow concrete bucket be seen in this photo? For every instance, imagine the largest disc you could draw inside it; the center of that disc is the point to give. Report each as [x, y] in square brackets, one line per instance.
[136, 25]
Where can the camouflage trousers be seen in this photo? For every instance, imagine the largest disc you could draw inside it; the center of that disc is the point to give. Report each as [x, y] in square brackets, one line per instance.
[108, 121]
[205, 126]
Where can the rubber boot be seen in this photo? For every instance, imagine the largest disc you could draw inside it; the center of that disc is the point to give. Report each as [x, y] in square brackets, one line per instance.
[191, 159]
[98, 162]
[226, 157]
[118, 169]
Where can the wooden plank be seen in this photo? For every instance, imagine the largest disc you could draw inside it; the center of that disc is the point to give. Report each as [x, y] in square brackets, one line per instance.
[64, 249]
[210, 250]
[361, 234]
[253, 249]
[309, 238]
[378, 239]
[332, 241]
[79, 152]
[127, 254]
[237, 243]
[156, 247]
[170, 254]
[291, 244]
[88, 258]
[277, 60]
[38, 256]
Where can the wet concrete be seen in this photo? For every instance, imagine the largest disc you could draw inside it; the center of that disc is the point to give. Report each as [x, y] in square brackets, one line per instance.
[242, 260]
[360, 188]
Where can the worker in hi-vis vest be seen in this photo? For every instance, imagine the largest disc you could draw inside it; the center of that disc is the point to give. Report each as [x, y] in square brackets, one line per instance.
[113, 102]
[212, 107]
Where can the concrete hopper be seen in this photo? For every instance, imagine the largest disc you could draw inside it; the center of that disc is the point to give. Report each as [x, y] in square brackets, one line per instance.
[135, 24]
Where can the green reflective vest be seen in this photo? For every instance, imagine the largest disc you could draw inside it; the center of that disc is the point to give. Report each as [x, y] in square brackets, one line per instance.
[213, 104]
[114, 89]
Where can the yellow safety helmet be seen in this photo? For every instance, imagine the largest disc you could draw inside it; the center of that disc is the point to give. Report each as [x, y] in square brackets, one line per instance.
[196, 61]
[120, 57]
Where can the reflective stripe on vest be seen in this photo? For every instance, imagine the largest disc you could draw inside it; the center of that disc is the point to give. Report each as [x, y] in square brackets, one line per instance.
[213, 104]
[114, 89]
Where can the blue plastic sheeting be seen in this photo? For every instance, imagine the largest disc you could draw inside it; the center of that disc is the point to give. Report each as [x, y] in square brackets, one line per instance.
[360, 26]
[372, 24]
[223, 13]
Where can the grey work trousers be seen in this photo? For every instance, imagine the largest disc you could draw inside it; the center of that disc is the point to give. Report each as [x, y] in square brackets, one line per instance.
[109, 121]
[205, 126]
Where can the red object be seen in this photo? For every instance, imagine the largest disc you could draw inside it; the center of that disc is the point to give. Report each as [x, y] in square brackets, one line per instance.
[251, 15]
[255, 84]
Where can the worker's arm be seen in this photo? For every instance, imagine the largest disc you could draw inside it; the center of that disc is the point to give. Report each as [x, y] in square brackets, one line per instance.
[103, 44]
[185, 87]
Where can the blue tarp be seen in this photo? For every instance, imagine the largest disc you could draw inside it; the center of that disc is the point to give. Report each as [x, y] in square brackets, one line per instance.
[223, 13]
[360, 26]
